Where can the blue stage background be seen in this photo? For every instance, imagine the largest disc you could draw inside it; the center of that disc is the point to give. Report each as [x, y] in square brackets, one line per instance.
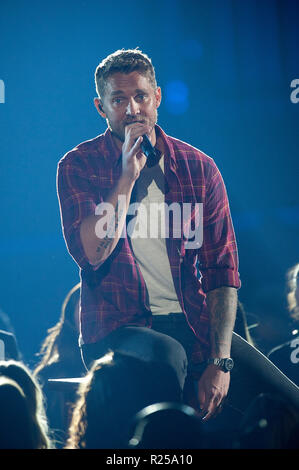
[225, 68]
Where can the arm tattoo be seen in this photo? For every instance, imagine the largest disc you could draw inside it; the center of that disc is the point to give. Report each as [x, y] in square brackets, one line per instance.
[111, 229]
[222, 305]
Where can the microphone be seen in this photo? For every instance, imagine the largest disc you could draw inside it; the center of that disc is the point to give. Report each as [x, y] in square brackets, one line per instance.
[147, 148]
[149, 151]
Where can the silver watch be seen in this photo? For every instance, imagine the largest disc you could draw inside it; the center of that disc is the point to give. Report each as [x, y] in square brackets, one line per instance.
[226, 364]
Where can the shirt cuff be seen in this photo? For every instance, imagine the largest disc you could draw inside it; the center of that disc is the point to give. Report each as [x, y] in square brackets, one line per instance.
[220, 277]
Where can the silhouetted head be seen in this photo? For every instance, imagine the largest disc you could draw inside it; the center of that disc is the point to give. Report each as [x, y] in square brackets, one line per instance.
[15, 424]
[115, 389]
[61, 344]
[29, 389]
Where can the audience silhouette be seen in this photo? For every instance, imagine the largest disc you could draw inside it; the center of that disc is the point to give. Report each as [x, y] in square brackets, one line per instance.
[23, 422]
[60, 358]
[115, 389]
[124, 402]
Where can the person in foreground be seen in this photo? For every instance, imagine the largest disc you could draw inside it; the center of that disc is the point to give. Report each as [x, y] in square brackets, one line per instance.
[60, 357]
[23, 423]
[146, 217]
[116, 388]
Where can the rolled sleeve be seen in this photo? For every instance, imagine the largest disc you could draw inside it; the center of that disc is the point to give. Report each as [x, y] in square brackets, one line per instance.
[218, 256]
[76, 202]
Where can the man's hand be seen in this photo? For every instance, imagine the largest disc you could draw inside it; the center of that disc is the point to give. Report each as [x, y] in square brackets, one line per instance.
[133, 160]
[212, 388]
[214, 383]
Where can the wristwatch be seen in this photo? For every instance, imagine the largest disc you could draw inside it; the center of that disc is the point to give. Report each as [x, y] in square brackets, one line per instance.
[225, 364]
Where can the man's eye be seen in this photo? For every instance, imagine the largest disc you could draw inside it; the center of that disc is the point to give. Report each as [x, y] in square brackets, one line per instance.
[117, 100]
[140, 97]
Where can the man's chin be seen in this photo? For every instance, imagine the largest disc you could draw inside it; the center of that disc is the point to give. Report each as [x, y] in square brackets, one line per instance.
[119, 136]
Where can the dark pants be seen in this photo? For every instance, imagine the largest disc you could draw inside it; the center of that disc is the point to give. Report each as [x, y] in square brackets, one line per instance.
[170, 340]
[144, 343]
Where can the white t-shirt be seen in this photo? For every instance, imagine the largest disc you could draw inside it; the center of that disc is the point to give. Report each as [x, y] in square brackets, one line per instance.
[148, 240]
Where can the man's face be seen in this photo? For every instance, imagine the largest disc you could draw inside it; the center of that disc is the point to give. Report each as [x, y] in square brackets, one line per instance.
[129, 98]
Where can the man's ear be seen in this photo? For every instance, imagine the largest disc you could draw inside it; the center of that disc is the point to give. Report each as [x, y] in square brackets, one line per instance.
[158, 95]
[99, 106]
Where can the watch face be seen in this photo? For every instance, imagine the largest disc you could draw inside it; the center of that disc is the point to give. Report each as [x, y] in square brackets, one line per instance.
[229, 363]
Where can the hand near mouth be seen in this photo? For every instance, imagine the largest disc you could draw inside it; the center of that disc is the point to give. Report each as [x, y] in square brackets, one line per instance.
[133, 160]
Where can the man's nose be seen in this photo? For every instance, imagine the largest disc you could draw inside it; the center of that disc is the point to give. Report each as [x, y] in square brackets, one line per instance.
[132, 108]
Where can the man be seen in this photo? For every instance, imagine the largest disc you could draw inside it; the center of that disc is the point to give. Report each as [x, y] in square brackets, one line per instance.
[144, 295]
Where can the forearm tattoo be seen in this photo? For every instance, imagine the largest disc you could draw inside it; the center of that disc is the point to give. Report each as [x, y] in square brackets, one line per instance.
[111, 229]
[222, 305]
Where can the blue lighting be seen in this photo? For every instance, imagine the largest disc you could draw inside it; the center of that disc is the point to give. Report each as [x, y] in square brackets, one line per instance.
[191, 49]
[176, 97]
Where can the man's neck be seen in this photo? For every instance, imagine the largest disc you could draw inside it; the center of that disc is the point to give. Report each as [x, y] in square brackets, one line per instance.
[117, 140]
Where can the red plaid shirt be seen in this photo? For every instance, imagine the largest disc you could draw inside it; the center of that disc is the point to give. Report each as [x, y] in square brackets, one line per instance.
[115, 294]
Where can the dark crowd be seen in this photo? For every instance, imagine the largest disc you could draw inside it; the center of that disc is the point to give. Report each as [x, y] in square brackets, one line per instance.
[125, 402]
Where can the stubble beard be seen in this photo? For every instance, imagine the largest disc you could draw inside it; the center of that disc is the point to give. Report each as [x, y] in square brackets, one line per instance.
[120, 131]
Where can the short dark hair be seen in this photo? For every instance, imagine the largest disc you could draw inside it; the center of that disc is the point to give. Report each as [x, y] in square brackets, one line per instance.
[124, 61]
